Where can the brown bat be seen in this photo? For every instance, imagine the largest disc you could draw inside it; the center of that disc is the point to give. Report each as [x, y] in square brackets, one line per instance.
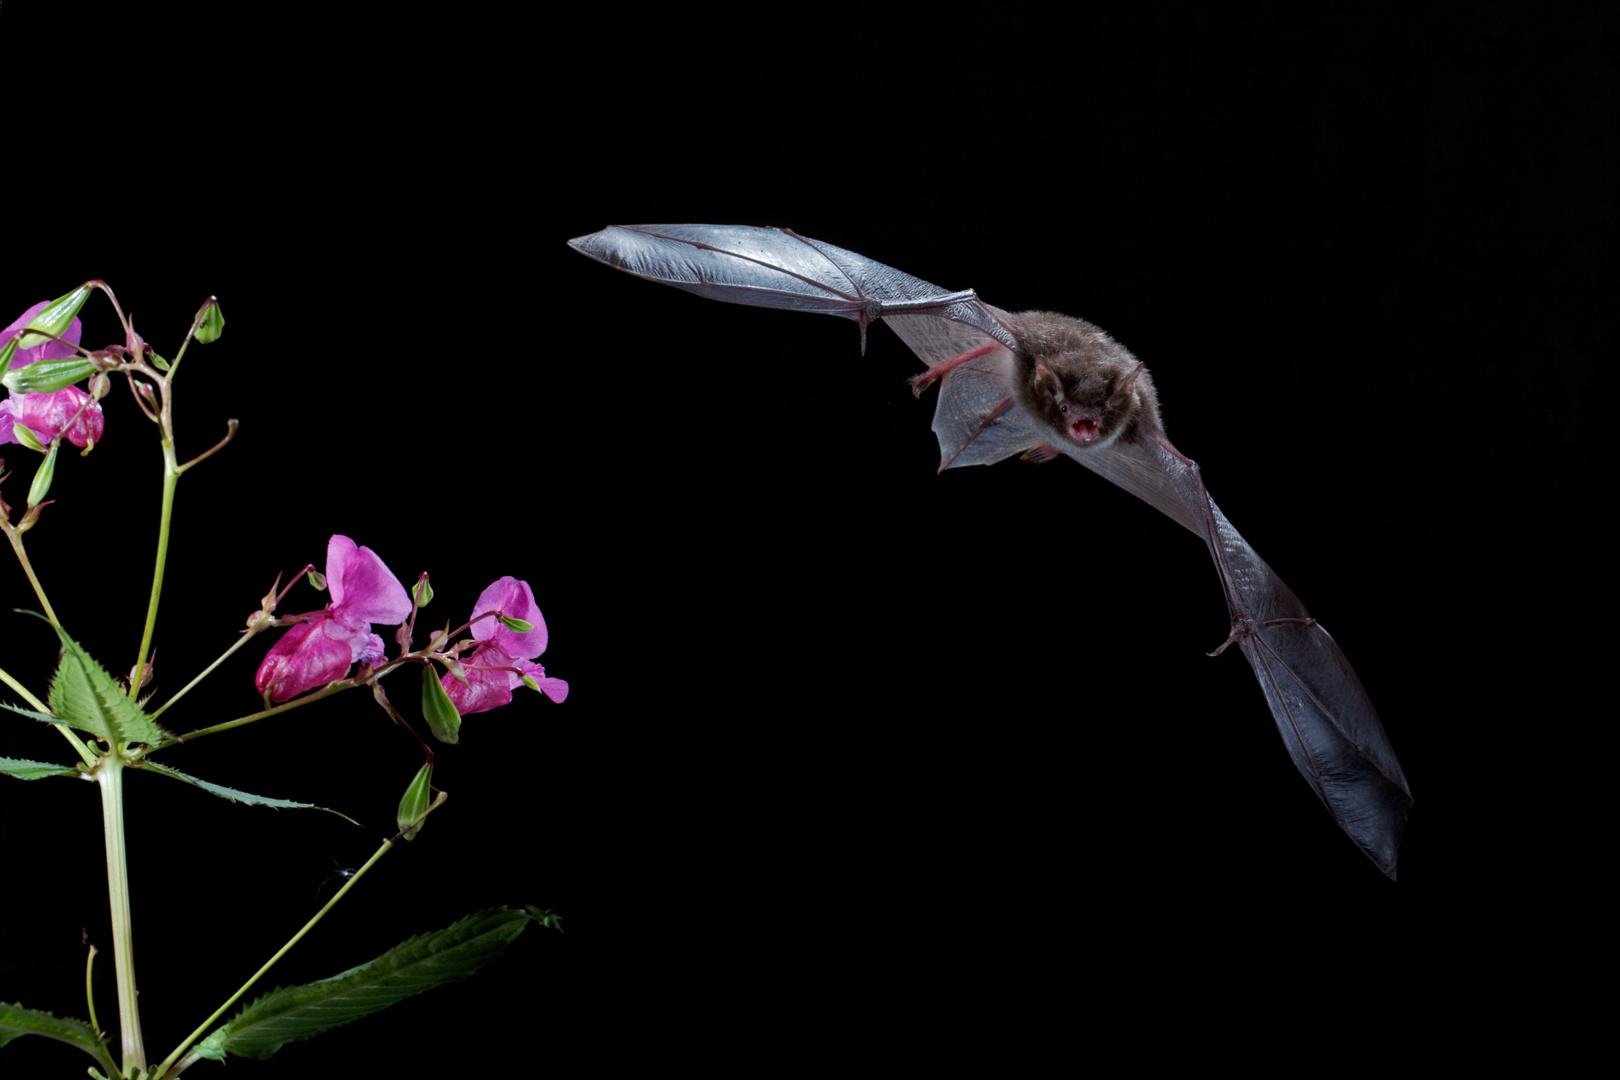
[1043, 385]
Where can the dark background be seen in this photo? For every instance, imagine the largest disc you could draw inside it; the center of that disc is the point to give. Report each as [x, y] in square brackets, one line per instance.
[851, 747]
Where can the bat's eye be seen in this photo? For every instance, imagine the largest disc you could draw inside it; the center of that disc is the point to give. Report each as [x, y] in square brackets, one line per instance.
[1063, 407]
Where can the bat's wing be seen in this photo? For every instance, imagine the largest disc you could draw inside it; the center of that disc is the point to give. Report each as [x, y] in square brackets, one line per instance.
[1324, 716]
[976, 421]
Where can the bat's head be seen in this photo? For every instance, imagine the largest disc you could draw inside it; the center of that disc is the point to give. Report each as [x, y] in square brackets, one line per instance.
[1081, 383]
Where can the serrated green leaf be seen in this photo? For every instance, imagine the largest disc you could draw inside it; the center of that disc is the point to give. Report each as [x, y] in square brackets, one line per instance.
[428, 960]
[47, 376]
[231, 793]
[437, 708]
[16, 1020]
[23, 769]
[85, 697]
[30, 713]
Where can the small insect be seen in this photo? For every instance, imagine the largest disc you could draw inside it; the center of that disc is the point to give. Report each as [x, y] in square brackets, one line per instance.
[339, 874]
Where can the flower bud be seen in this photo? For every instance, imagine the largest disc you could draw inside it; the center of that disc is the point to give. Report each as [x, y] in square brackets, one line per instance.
[416, 799]
[517, 626]
[47, 376]
[25, 435]
[55, 318]
[437, 708]
[317, 579]
[210, 322]
[422, 593]
[41, 486]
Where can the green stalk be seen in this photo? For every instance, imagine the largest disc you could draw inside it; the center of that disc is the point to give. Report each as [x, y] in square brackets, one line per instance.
[180, 693]
[385, 848]
[171, 475]
[111, 778]
[28, 568]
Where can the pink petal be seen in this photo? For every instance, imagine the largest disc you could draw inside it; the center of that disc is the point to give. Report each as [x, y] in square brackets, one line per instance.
[49, 350]
[514, 599]
[48, 416]
[486, 690]
[308, 656]
[363, 589]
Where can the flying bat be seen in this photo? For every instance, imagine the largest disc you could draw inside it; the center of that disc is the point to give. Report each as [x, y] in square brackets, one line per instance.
[1042, 385]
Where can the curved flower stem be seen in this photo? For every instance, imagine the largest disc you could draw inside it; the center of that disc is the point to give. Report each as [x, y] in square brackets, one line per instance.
[171, 474]
[22, 556]
[110, 776]
[354, 879]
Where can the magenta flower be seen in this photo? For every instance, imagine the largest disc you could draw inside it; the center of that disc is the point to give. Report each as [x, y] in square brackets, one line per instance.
[500, 648]
[314, 653]
[49, 415]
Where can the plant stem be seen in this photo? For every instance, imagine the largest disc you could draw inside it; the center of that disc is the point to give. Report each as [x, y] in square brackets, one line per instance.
[180, 693]
[171, 474]
[28, 568]
[387, 846]
[110, 776]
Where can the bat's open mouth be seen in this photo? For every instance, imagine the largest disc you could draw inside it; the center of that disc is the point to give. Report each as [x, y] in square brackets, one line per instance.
[1084, 431]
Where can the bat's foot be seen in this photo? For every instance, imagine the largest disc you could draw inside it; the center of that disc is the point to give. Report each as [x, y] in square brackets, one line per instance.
[1244, 628]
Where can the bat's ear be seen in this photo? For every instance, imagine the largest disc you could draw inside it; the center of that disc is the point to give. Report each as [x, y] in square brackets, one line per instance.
[1046, 380]
[1122, 392]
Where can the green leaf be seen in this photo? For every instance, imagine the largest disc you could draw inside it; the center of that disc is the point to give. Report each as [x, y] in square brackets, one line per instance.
[16, 1020]
[47, 376]
[23, 769]
[87, 698]
[231, 793]
[437, 708]
[31, 714]
[428, 960]
[416, 799]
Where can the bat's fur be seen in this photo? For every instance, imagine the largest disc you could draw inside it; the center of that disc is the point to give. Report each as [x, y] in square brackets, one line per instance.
[1068, 368]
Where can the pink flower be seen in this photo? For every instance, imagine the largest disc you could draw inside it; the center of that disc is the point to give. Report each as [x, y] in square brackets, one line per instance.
[314, 653]
[48, 415]
[502, 648]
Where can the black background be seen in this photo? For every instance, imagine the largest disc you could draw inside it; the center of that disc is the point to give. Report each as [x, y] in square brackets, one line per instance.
[852, 748]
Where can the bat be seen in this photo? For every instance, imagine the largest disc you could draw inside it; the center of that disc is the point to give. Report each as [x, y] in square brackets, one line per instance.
[1041, 385]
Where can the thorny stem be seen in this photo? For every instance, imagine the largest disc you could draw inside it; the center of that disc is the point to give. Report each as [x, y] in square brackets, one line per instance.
[354, 879]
